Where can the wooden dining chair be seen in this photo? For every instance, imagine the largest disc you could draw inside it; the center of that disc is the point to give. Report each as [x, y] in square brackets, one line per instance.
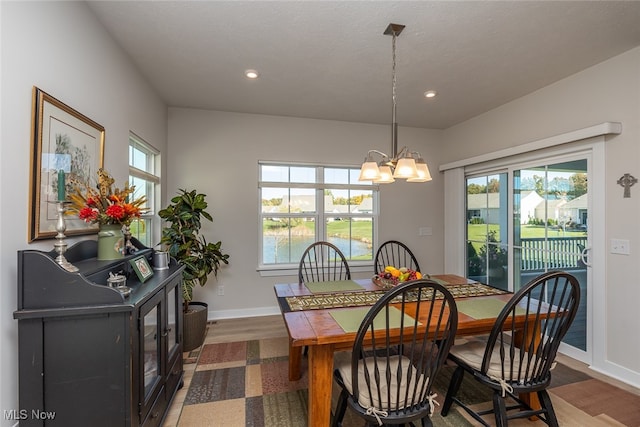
[387, 377]
[518, 355]
[321, 262]
[396, 254]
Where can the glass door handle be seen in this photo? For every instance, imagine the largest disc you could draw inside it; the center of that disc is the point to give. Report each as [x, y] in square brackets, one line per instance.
[584, 256]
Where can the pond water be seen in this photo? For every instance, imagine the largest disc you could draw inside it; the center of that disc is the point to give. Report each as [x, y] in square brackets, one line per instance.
[290, 251]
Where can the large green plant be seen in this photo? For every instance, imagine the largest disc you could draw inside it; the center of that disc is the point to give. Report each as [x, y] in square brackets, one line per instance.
[185, 243]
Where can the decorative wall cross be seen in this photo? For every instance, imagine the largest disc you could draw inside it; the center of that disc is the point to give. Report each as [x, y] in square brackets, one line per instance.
[627, 181]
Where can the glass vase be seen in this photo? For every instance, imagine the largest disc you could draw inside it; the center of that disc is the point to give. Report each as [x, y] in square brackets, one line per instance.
[110, 242]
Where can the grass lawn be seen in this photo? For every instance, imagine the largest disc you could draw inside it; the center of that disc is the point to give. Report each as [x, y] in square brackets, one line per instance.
[360, 230]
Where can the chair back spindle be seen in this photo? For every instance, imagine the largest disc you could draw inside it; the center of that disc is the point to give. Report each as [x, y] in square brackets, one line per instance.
[396, 254]
[388, 377]
[322, 262]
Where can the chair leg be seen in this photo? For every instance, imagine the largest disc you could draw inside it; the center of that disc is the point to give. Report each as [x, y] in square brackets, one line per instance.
[499, 409]
[545, 402]
[454, 386]
[341, 408]
[426, 422]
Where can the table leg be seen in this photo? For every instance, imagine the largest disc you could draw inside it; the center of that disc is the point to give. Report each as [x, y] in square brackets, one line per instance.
[295, 362]
[320, 385]
[530, 399]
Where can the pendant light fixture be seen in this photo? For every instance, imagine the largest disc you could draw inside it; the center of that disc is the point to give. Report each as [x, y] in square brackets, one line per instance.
[402, 164]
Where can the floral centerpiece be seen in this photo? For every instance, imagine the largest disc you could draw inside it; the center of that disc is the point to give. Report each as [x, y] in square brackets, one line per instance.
[111, 208]
[105, 204]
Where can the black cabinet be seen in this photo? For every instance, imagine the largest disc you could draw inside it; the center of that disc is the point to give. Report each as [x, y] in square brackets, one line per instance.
[89, 356]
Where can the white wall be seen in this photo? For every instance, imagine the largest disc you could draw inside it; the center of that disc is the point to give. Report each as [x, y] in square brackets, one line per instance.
[607, 92]
[62, 49]
[217, 153]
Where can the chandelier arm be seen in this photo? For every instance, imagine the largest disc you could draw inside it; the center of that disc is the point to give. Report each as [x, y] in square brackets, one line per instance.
[377, 152]
[404, 152]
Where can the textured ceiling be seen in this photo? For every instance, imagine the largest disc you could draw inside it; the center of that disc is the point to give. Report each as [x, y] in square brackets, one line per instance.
[330, 60]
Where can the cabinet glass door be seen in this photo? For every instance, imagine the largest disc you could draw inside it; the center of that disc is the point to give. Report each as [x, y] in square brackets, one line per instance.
[151, 344]
[151, 349]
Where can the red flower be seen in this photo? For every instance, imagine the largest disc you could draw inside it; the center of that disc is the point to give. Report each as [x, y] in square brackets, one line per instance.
[115, 211]
[91, 201]
[88, 214]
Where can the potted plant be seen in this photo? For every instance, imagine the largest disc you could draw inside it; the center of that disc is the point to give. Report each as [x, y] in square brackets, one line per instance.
[199, 257]
[496, 257]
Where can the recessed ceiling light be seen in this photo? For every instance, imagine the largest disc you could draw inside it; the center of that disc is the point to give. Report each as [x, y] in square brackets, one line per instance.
[430, 94]
[251, 74]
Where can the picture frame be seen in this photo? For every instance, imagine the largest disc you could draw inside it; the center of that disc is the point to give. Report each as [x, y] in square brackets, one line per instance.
[142, 268]
[61, 138]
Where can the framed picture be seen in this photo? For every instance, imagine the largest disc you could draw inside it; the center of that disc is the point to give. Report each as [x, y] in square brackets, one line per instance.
[142, 268]
[62, 140]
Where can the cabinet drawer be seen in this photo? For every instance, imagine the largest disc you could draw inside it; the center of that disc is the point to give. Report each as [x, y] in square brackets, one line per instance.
[174, 379]
[157, 411]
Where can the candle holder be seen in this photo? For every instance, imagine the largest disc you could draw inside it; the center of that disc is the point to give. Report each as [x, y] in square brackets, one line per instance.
[61, 246]
[129, 248]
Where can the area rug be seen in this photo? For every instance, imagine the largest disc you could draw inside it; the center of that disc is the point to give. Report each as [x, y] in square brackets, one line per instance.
[242, 384]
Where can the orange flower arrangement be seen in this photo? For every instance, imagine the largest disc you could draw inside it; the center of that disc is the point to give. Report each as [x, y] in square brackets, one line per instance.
[106, 205]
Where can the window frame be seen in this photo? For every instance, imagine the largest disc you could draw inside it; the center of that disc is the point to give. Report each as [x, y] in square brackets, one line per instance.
[152, 176]
[320, 216]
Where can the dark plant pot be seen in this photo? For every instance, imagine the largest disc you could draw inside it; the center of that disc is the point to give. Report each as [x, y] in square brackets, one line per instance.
[194, 325]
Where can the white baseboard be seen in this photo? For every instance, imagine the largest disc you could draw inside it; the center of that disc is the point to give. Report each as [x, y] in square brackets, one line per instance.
[234, 314]
[618, 372]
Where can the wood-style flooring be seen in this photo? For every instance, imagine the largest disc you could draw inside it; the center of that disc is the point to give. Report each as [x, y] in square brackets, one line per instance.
[600, 401]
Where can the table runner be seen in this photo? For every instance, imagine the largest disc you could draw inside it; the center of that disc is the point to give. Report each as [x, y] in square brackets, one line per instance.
[357, 299]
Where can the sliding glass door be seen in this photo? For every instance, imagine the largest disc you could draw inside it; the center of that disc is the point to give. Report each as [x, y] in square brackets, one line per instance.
[527, 219]
[487, 229]
[551, 218]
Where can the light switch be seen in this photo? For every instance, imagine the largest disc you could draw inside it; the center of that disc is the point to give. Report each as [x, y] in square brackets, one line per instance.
[620, 246]
[425, 231]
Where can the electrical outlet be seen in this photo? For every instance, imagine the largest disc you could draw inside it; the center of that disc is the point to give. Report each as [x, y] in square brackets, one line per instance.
[620, 246]
[220, 290]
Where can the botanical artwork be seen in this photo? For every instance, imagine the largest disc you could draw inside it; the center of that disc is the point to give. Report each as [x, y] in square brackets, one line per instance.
[66, 145]
[75, 160]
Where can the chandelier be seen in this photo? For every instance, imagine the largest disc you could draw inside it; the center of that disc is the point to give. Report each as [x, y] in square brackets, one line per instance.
[403, 164]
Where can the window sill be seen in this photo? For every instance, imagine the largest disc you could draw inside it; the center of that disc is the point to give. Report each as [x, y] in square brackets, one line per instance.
[289, 270]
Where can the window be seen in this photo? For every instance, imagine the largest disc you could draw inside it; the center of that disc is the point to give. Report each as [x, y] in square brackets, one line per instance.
[144, 174]
[302, 204]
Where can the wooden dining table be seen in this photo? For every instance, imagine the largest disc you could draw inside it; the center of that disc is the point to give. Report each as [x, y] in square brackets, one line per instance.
[317, 329]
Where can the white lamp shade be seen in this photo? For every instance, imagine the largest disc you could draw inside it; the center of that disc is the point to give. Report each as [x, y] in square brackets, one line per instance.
[406, 168]
[386, 176]
[423, 173]
[369, 171]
